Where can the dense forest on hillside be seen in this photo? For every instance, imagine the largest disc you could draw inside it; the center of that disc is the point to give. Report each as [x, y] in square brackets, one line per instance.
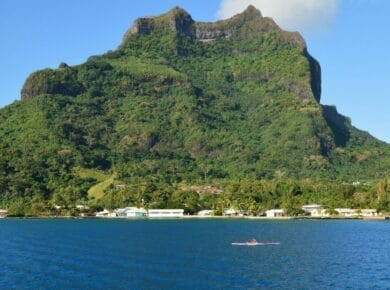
[235, 104]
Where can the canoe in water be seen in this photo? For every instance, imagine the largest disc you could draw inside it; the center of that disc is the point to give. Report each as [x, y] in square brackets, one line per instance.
[255, 243]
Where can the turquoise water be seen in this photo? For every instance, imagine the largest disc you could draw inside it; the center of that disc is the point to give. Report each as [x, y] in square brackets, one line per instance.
[193, 254]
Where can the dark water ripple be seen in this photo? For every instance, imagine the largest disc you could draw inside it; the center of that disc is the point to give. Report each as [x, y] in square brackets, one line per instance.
[193, 254]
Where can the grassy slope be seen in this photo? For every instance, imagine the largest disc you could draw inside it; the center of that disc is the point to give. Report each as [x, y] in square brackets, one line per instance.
[97, 191]
[103, 180]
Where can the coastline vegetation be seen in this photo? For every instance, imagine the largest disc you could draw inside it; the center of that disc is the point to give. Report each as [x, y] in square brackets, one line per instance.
[253, 197]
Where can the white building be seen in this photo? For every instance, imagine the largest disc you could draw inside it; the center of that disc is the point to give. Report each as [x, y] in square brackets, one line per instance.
[272, 213]
[206, 212]
[320, 212]
[3, 213]
[230, 212]
[309, 208]
[103, 213]
[347, 212]
[368, 212]
[165, 213]
[130, 212]
[135, 212]
[120, 212]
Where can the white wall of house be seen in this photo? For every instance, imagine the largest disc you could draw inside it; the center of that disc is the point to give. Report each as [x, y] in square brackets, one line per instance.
[309, 208]
[230, 212]
[161, 213]
[206, 212]
[3, 213]
[130, 212]
[103, 213]
[347, 212]
[368, 212]
[319, 213]
[135, 212]
[274, 213]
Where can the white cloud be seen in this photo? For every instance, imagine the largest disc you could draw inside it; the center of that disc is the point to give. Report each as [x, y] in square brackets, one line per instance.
[293, 15]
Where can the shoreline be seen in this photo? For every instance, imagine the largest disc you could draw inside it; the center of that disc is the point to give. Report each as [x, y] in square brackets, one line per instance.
[290, 218]
[285, 218]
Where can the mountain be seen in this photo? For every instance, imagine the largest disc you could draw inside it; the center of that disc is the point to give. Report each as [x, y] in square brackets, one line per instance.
[180, 102]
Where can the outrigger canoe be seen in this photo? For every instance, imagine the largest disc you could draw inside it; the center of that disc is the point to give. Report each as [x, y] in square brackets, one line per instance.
[255, 243]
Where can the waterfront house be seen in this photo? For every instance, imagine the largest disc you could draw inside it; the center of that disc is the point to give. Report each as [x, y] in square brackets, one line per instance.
[206, 212]
[120, 212]
[309, 208]
[103, 213]
[3, 213]
[130, 212]
[273, 213]
[368, 212]
[165, 213]
[319, 212]
[346, 212]
[135, 212]
[230, 212]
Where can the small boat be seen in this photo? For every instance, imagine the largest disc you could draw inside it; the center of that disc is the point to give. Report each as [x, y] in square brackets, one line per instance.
[255, 243]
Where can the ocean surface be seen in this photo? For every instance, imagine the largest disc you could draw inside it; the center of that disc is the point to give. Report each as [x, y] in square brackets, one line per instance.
[193, 254]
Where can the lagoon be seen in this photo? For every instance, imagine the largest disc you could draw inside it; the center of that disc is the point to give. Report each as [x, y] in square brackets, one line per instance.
[193, 254]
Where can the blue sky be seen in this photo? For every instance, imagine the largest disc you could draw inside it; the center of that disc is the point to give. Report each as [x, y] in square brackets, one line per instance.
[352, 43]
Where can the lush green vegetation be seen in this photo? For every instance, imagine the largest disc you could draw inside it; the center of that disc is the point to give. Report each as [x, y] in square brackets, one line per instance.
[165, 110]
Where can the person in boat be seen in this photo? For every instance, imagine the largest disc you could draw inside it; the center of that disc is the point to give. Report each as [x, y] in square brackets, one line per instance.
[253, 241]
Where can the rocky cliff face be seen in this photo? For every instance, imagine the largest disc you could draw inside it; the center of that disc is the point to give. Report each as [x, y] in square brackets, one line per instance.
[179, 21]
[61, 81]
[176, 20]
[249, 24]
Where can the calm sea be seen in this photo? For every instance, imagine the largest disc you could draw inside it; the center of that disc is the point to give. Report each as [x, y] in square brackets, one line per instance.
[193, 254]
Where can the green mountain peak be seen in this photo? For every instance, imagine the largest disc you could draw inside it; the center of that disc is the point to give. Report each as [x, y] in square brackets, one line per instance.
[250, 13]
[176, 20]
